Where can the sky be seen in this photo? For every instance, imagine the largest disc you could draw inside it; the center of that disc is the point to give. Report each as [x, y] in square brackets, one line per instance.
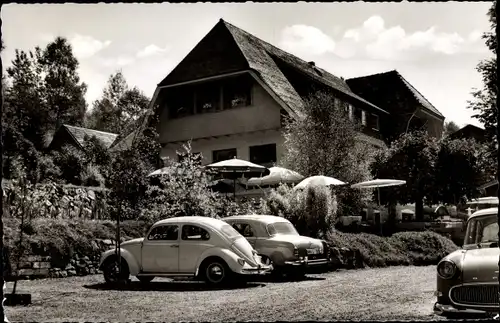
[435, 46]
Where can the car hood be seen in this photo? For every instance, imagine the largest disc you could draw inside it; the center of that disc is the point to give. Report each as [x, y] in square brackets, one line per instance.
[480, 265]
[298, 241]
[132, 242]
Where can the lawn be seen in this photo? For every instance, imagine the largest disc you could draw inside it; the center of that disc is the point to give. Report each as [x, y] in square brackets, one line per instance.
[404, 293]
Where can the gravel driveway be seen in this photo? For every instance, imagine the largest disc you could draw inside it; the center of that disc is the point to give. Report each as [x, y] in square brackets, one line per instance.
[395, 293]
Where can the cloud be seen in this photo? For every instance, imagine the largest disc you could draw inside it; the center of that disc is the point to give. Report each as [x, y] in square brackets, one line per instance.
[119, 61]
[306, 40]
[151, 50]
[87, 46]
[377, 41]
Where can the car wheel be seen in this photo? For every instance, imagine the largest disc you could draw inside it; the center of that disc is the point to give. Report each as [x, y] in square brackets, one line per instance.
[114, 276]
[145, 279]
[215, 272]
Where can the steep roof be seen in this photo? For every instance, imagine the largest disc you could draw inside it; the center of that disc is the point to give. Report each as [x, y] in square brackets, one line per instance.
[79, 133]
[260, 56]
[470, 131]
[358, 84]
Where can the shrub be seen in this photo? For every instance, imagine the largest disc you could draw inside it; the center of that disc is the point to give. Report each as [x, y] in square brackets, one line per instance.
[72, 163]
[406, 248]
[91, 176]
[48, 170]
[312, 211]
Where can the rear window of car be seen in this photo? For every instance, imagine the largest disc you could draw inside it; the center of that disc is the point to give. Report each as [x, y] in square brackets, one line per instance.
[230, 232]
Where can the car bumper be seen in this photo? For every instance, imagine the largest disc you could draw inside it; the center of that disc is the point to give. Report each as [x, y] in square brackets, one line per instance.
[441, 309]
[248, 270]
[307, 263]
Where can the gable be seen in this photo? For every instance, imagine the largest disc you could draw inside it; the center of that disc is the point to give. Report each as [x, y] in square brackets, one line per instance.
[217, 53]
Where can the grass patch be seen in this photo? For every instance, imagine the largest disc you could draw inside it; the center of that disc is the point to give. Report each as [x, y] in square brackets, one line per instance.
[61, 239]
[404, 248]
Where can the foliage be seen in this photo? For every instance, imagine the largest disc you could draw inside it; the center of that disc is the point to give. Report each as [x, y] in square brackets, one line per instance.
[443, 171]
[48, 171]
[63, 91]
[91, 176]
[184, 189]
[324, 141]
[449, 128]
[405, 248]
[128, 179]
[412, 158]
[484, 102]
[459, 170]
[72, 163]
[119, 106]
[313, 211]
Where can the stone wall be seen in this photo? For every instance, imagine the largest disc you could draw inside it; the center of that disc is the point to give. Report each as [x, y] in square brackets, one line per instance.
[35, 266]
[63, 201]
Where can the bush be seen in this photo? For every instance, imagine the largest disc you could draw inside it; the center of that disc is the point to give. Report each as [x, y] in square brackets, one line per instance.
[47, 169]
[61, 238]
[406, 248]
[312, 211]
[72, 163]
[91, 176]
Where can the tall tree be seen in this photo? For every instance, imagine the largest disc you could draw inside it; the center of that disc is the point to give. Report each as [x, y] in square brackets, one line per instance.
[412, 157]
[324, 142]
[64, 92]
[484, 102]
[450, 127]
[118, 107]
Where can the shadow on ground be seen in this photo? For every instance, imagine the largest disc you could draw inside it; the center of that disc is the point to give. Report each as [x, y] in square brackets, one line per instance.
[170, 286]
[283, 279]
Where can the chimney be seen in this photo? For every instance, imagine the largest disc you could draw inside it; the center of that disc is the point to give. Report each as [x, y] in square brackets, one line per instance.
[312, 64]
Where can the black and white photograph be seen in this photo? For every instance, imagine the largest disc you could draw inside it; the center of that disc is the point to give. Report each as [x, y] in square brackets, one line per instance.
[221, 162]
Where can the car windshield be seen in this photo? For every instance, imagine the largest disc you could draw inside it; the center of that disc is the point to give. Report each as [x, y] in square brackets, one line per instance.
[482, 229]
[281, 228]
[230, 232]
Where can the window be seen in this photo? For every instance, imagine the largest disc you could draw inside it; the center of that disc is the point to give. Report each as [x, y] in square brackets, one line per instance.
[281, 228]
[208, 97]
[351, 112]
[244, 229]
[224, 154]
[197, 158]
[363, 117]
[373, 121]
[357, 115]
[180, 102]
[264, 155]
[193, 232]
[164, 232]
[237, 92]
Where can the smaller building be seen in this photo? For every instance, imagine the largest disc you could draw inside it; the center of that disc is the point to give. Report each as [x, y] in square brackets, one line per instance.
[75, 137]
[470, 132]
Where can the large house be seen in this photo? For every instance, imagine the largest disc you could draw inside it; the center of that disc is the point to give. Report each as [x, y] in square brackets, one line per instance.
[229, 95]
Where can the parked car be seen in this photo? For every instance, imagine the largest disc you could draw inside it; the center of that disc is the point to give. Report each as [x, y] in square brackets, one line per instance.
[467, 279]
[464, 210]
[279, 244]
[207, 249]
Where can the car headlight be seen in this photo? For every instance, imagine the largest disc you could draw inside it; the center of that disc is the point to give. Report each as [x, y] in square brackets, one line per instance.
[446, 269]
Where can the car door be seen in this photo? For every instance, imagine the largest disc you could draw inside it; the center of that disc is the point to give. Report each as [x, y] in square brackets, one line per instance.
[160, 250]
[246, 230]
[194, 241]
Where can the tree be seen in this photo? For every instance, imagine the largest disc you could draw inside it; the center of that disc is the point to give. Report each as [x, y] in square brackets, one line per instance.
[484, 102]
[461, 167]
[411, 157]
[64, 92]
[324, 142]
[450, 127]
[119, 106]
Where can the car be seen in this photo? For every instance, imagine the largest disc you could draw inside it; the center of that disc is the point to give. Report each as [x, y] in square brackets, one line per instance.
[189, 246]
[280, 245]
[467, 279]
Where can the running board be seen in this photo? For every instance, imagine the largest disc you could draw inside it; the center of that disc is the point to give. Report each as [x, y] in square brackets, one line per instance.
[166, 274]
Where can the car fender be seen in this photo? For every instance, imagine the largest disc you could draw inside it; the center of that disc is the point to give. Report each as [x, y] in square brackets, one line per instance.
[227, 255]
[133, 265]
